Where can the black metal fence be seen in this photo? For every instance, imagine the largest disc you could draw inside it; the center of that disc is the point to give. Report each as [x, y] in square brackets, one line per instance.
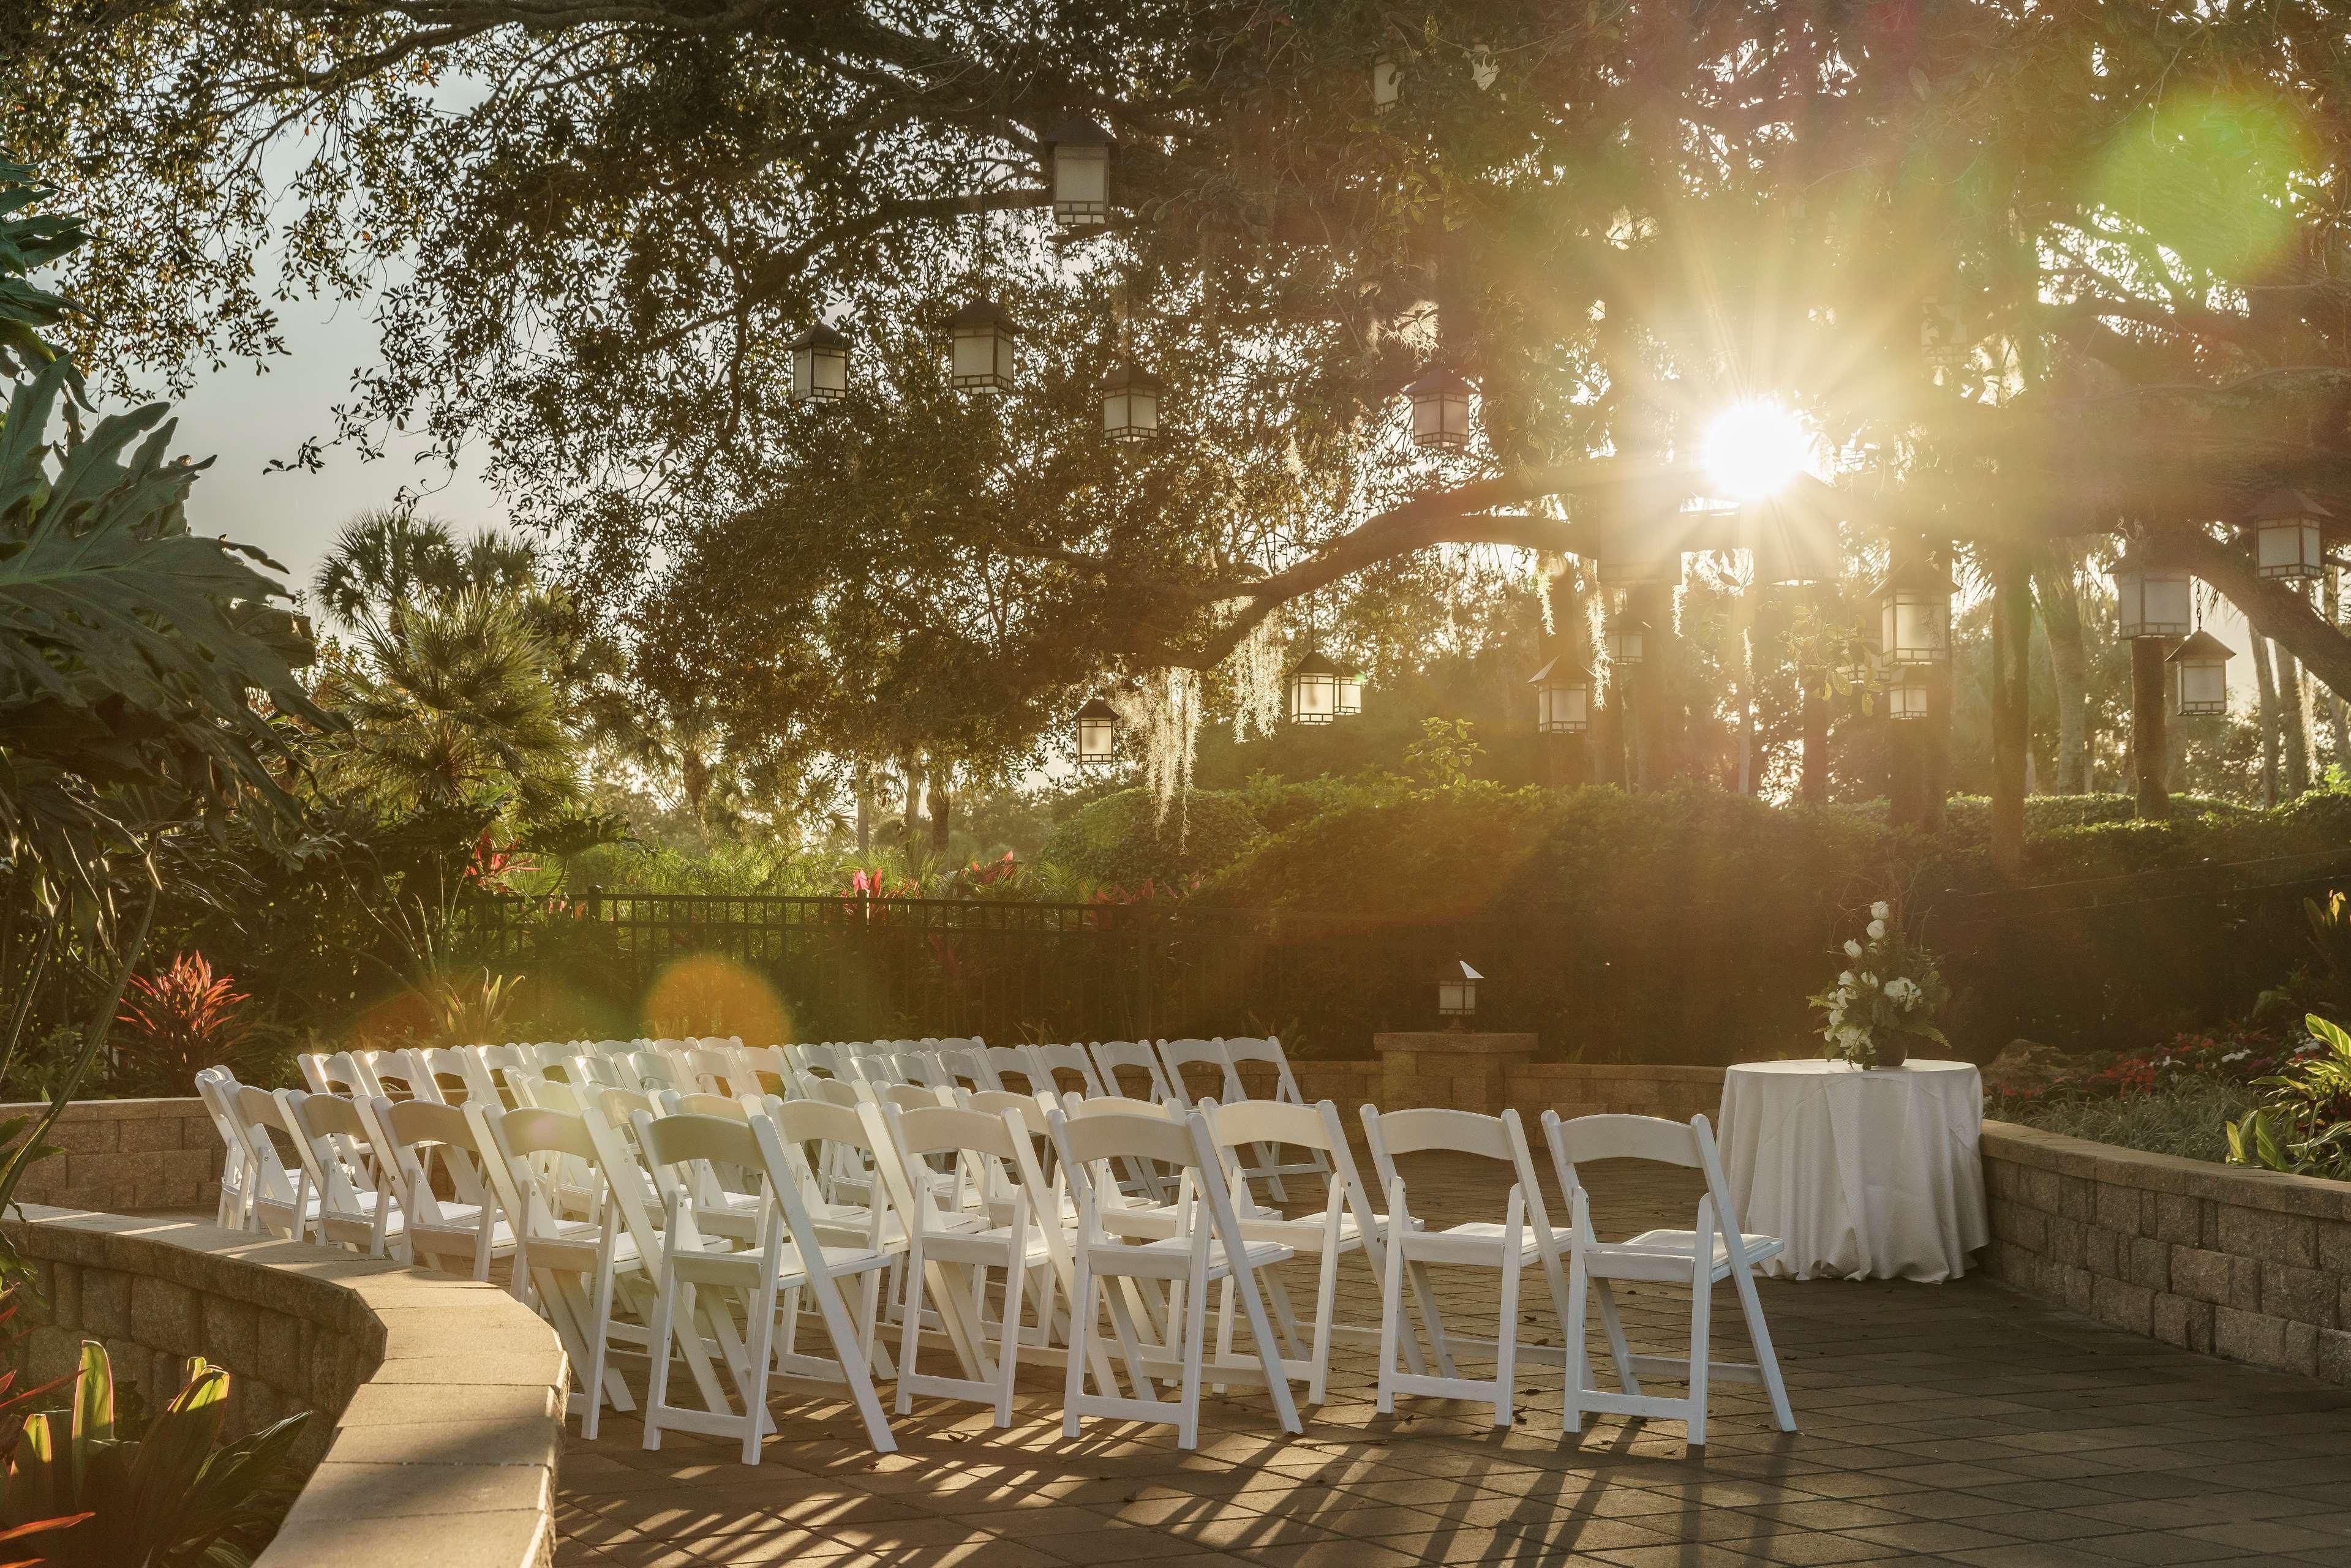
[2109, 963]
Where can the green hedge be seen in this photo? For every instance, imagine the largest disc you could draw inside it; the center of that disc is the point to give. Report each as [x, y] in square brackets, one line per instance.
[1122, 841]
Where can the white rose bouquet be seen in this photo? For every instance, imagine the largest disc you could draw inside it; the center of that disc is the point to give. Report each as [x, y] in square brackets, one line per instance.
[1886, 997]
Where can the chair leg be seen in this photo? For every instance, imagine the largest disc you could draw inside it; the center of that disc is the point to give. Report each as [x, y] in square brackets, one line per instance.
[1081, 1343]
[1326, 1292]
[657, 1344]
[1578, 1369]
[1506, 1341]
[1008, 1348]
[1702, 1327]
[1767, 1359]
[1224, 1327]
[758, 1364]
[910, 1331]
[1391, 1307]
[1614, 1323]
[1196, 1325]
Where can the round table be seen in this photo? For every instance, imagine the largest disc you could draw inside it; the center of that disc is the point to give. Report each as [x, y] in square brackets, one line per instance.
[1863, 1174]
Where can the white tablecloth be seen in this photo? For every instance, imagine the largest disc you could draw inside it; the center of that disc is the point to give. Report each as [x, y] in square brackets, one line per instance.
[1865, 1174]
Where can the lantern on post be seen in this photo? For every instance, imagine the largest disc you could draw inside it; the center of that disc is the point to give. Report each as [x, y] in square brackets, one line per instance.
[2153, 598]
[2199, 676]
[1077, 156]
[1457, 991]
[1906, 695]
[980, 347]
[1440, 410]
[2287, 541]
[1915, 614]
[1130, 400]
[820, 365]
[1097, 733]
[1314, 691]
[1563, 697]
[1626, 641]
[1388, 83]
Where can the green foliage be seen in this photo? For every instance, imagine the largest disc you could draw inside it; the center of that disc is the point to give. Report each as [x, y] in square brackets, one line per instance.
[1121, 841]
[2191, 1118]
[1888, 991]
[2303, 1126]
[1444, 756]
[172, 1497]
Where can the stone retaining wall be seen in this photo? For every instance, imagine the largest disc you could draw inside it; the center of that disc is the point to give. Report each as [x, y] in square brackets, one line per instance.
[2251, 1265]
[125, 1154]
[1570, 1088]
[440, 1401]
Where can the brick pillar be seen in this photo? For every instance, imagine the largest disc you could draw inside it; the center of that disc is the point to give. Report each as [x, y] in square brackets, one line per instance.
[1459, 1069]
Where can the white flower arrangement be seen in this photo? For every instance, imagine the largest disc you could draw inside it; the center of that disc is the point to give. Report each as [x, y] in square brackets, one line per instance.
[1885, 997]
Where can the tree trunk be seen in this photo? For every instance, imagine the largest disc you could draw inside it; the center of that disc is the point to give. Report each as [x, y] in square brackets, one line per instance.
[2069, 672]
[910, 768]
[2272, 609]
[2012, 708]
[2265, 686]
[1812, 781]
[861, 785]
[942, 805]
[2338, 719]
[2293, 728]
[2147, 759]
[1656, 718]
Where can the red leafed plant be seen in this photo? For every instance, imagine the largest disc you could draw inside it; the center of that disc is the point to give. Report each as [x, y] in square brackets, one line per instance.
[180, 1022]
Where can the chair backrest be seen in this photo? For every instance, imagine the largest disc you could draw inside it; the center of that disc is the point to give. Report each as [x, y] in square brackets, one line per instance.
[674, 1103]
[312, 1064]
[965, 1068]
[986, 1151]
[214, 1087]
[328, 1135]
[1208, 1055]
[1689, 1144]
[419, 1138]
[1029, 1108]
[1055, 1065]
[1267, 1052]
[445, 1069]
[1130, 1057]
[909, 1096]
[715, 1071]
[671, 1143]
[658, 1070]
[1009, 1061]
[546, 1094]
[917, 1067]
[398, 1075]
[835, 1092]
[1430, 1130]
[822, 1060]
[1079, 1106]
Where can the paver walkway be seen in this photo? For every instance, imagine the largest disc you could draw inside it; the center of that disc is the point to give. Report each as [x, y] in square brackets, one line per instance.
[1938, 1424]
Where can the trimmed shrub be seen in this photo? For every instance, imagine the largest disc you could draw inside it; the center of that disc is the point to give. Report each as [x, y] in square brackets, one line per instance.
[1121, 842]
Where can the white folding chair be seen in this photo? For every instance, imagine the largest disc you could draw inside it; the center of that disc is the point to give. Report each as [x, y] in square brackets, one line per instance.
[213, 1086]
[353, 1209]
[693, 1270]
[1054, 1064]
[1009, 1062]
[824, 1061]
[420, 1140]
[966, 1068]
[1206, 1249]
[1714, 1248]
[1113, 1056]
[282, 1203]
[565, 1266]
[1218, 1079]
[443, 1069]
[1521, 1239]
[1267, 1052]
[986, 1151]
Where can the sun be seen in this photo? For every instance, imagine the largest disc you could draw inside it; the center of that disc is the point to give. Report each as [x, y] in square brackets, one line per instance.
[1755, 448]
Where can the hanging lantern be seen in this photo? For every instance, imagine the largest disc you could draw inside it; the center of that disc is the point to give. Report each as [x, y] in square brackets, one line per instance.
[1129, 397]
[1626, 641]
[1388, 83]
[1097, 733]
[1457, 991]
[1916, 615]
[820, 365]
[1351, 692]
[1906, 698]
[2200, 676]
[1440, 410]
[1314, 691]
[1563, 697]
[980, 351]
[1077, 155]
[2153, 598]
[2287, 542]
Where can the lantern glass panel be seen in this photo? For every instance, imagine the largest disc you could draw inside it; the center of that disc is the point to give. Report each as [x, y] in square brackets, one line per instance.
[2203, 686]
[1907, 699]
[1388, 84]
[1917, 626]
[2290, 548]
[1081, 184]
[1457, 998]
[1131, 412]
[2156, 602]
[820, 373]
[1097, 739]
[982, 357]
[1441, 418]
[1564, 708]
[1351, 695]
[1624, 644]
[1313, 697]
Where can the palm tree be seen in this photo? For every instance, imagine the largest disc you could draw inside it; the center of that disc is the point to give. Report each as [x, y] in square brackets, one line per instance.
[382, 562]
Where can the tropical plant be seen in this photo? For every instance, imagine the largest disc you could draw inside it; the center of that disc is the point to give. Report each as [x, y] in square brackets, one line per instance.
[174, 1496]
[2303, 1126]
[1886, 997]
[179, 1023]
[146, 686]
[1444, 756]
[469, 1010]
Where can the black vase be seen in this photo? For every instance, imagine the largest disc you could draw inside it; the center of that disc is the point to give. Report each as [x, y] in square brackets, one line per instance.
[1893, 1049]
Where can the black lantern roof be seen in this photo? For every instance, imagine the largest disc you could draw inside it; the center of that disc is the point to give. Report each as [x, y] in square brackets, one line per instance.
[984, 312]
[1128, 376]
[2201, 648]
[1914, 576]
[1544, 676]
[1078, 131]
[1440, 381]
[2288, 506]
[1097, 709]
[820, 336]
[1315, 664]
[1458, 969]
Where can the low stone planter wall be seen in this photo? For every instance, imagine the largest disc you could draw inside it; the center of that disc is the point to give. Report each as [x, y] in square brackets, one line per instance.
[2251, 1265]
[125, 1154]
[440, 1401]
[1570, 1088]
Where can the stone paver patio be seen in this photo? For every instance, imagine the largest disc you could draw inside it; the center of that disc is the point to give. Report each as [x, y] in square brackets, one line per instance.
[1939, 1424]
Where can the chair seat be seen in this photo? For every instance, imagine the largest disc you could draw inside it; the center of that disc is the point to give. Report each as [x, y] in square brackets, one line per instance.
[1171, 1251]
[1656, 1254]
[1475, 1236]
[1304, 1232]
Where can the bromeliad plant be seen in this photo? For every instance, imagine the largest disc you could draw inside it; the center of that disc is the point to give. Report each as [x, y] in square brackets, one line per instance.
[177, 1024]
[2305, 1128]
[1885, 998]
[173, 1497]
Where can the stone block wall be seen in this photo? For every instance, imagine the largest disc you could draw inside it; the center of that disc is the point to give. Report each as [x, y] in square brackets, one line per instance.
[439, 1402]
[2251, 1265]
[127, 1154]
